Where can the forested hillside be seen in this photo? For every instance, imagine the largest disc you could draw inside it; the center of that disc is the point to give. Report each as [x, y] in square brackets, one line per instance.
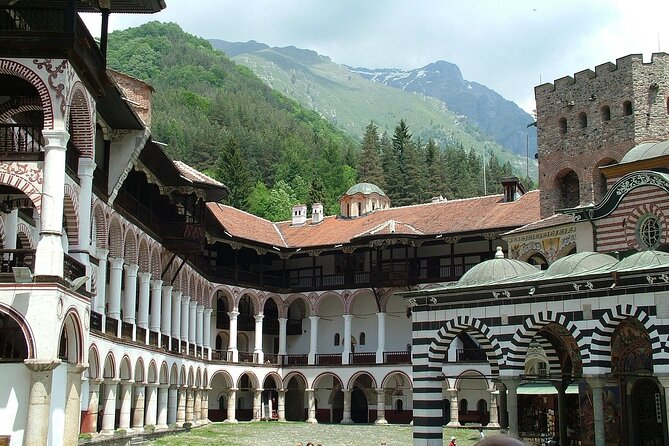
[272, 152]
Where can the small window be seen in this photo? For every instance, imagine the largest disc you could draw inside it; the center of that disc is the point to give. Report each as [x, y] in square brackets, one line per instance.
[627, 108]
[583, 120]
[606, 113]
[649, 231]
[563, 125]
[359, 209]
[463, 406]
[337, 339]
[362, 338]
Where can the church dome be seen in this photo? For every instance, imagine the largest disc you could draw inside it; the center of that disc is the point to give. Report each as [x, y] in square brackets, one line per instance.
[643, 260]
[580, 263]
[645, 151]
[365, 189]
[498, 269]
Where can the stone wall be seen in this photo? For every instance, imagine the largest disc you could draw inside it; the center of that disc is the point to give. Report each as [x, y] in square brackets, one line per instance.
[139, 94]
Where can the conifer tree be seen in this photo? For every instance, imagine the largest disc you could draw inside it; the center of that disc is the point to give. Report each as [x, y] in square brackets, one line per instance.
[234, 173]
[370, 169]
[415, 171]
[394, 165]
[436, 180]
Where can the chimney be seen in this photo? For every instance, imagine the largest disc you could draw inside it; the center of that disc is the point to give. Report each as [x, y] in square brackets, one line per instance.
[299, 215]
[513, 190]
[316, 213]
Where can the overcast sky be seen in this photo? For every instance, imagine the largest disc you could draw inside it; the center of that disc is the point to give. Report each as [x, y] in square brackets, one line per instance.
[507, 45]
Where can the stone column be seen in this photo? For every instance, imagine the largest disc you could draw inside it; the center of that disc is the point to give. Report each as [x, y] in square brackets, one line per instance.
[181, 406]
[455, 422]
[101, 254]
[126, 400]
[512, 405]
[166, 311]
[561, 388]
[346, 354]
[49, 255]
[206, 335]
[257, 404]
[172, 405]
[283, 324]
[260, 356]
[205, 405]
[185, 304]
[311, 398]
[90, 421]
[130, 294]
[380, 406]
[11, 228]
[494, 422]
[109, 407]
[156, 305]
[151, 404]
[143, 310]
[313, 339]
[115, 277]
[232, 404]
[176, 315]
[281, 405]
[197, 408]
[597, 385]
[232, 347]
[381, 334]
[190, 404]
[138, 412]
[73, 404]
[192, 316]
[163, 398]
[199, 324]
[346, 419]
[85, 172]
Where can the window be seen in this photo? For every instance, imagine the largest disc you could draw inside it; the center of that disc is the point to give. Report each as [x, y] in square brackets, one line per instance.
[362, 338]
[563, 125]
[337, 340]
[627, 108]
[649, 231]
[583, 120]
[606, 113]
[463, 406]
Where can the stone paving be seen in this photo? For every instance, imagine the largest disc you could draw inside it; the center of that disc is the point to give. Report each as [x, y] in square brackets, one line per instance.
[289, 434]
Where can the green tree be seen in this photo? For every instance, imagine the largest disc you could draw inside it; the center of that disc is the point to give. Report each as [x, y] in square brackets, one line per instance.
[370, 169]
[233, 172]
[272, 204]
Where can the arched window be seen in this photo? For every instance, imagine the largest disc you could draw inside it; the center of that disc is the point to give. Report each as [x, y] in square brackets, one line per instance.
[627, 108]
[399, 405]
[568, 187]
[359, 209]
[336, 339]
[482, 406]
[583, 120]
[606, 113]
[563, 125]
[463, 406]
[362, 338]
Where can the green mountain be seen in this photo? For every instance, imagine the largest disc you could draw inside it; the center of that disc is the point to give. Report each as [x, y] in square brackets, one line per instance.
[350, 100]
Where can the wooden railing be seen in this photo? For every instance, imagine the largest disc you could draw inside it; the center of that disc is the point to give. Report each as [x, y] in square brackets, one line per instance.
[471, 355]
[96, 321]
[20, 139]
[328, 358]
[402, 357]
[362, 358]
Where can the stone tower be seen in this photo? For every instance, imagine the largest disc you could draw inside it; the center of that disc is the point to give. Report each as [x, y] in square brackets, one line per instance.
[592, 120]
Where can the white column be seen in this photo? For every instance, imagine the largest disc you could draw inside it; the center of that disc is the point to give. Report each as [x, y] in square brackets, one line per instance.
[114, 297]
[151, 404]
[597, 385]
[11, 229]
[192, 316]
[143, 310]
[172, 405]
[130, 294]
[380, 349]
[101, 254]
[138, 412]
[197, 409]
[281, 405]
[346, 354]
[205, 405]
[232, 401]
[380, 406]
[199, 324]
[163, 399]
[455, 422]
[176, 315]
[311, 399]
[232, 347]
[512, 405]
[494, 417]
[313, 339]
[346, 419]
[85, 172]
[260, 357]
[126, 402]
[257, 403]
[166, 311]
[90, 422]
[156, 305]
[190, 405]
[283, 323]
[206, 328]
[73, 404]
[49, 255]
[181, 406]
[185, 301]
[109, 406]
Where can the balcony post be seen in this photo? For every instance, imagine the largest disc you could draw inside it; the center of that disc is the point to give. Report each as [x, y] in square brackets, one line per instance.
[11, 226]
[206, 336]
[311, 398]
[85, 172]
[49, 254]
[199, 322]
[258, 350]
[143, 311]
[114, 298]
[346, 419]
[283, 323]
[176, 316]
[166, 314]
[346, 354]
[232, 346]
[313, 339]
[98, 303]
[185, 304]
[381, 321]
[130, 296]
[156, 305]
[192, 316]
[380, 406]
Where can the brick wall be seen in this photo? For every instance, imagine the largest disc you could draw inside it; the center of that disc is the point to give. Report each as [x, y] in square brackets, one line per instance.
[583, 122]
[138, 92]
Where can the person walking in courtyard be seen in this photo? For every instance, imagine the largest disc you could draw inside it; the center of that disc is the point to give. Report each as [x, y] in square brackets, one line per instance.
[452, 443]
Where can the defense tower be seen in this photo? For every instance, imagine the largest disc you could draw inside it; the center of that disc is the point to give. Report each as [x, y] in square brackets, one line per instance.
[593, 119]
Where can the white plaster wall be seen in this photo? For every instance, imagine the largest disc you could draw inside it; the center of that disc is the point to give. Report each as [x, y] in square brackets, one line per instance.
[14, 401]
[365, 320]
[330, 322]
[299, 344]
[57, 421]
[398, 325]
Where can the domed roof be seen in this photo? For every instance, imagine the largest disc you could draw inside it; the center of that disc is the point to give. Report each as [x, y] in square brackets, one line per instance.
[365, 189]
[646, 150]
[643, 260]
[579, 263]
[498, 269]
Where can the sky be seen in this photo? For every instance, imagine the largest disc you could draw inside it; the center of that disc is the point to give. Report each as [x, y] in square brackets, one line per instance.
[507, 45]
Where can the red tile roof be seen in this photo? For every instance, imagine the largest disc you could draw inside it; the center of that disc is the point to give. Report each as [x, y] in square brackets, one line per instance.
[194, 175]
[467, 215]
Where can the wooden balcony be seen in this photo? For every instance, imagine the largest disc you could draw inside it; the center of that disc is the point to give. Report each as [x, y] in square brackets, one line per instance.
[471, 355]
[328, 358]
[21, 142]
[397, 357]
[362, 358]
[11, 258]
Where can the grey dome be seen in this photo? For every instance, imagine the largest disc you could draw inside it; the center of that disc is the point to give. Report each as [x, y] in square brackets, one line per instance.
[579, 263]
[498, 269]
[365, 189]
[643, 260]
[646, 150]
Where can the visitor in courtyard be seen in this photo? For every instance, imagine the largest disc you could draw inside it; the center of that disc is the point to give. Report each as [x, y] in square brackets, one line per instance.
[481, 434]
[452, 443]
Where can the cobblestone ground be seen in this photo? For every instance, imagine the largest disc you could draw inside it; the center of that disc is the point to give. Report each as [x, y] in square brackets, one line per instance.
[289, 434]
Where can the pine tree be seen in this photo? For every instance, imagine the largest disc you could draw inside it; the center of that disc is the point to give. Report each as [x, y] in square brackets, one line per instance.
[234, 173]
[436, 181]
[370, 169]
[316, 192]
[395, 173]
[415, 169]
